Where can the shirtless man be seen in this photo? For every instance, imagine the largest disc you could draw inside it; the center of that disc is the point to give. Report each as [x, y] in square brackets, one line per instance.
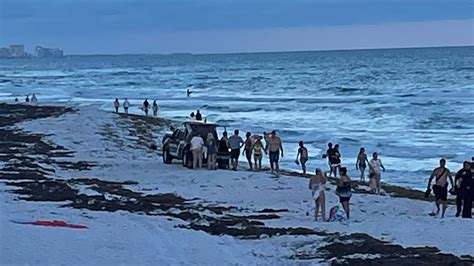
[273, 147]
[440, 188]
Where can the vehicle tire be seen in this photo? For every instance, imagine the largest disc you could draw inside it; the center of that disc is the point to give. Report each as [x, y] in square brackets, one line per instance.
[186, 159]
[167, 159]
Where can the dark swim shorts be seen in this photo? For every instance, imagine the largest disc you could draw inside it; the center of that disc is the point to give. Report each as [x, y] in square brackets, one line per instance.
[344, 199]
[274, 156]
[235, 153]
[441, 193]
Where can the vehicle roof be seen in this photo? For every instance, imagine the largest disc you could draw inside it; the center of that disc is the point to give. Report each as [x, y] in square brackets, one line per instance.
[201, 123]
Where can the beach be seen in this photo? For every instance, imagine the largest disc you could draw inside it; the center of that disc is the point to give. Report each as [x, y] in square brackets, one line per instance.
[87, 166]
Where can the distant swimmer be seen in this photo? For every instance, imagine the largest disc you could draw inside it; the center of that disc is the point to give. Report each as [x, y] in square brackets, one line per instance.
[188, 92]
[34, 100]
[198, 116]
[440, 188]
[146, 106]
[273, 147]
[155, 108]
[116, 105]
[126, 105]
[16, 100]
[302, 156]
[27, 99]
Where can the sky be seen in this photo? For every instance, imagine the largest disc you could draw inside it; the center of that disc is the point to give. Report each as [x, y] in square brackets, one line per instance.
[226, 26]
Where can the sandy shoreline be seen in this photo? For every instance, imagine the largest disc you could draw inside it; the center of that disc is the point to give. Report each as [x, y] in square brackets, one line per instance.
[95, 166]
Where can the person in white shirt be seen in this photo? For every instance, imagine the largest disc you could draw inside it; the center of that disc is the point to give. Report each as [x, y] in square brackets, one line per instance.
[126, 105]
[197, 144]
[374, 173]
[34, 100]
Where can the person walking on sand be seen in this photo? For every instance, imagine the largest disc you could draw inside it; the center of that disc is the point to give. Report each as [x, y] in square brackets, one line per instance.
[257, 149]
[116, 105]
[211, 144]
[440, 188]
[198, 116]
[34, 100]
[274, 146]
[316, 185]
[197, 144]
[337, 160]
[302, 156]
[146, 106]
[235, 143]
[331, 156]
[155, 108]
[248, 149]
[375, 177]
[465, 188]
[343, 190]
[126, 105]
[361, 163]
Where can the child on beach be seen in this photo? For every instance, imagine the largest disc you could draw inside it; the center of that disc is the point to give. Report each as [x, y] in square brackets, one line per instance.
[316, 184]
[303, 156]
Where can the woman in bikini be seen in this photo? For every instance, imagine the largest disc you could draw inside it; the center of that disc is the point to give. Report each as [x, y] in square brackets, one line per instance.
[343, 190]
[316, 184]
[361, 163]
[257, 149]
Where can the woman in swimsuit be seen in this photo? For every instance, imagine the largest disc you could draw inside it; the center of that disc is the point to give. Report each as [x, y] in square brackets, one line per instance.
[361, 163]
[343, 190]
[316, 184]
[258, 154]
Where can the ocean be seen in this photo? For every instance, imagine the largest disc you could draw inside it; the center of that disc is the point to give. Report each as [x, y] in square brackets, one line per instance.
[412, 106]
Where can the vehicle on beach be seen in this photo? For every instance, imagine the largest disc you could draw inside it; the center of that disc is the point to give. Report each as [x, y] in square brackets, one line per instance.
[176, 145]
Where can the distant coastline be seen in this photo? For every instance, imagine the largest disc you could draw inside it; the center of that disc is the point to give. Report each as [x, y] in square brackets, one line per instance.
[18, 51]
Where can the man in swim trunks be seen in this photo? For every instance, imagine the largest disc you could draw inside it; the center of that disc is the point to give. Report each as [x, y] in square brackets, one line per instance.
[330, 154]
[274, 146]
[440, 188]
[235, 143]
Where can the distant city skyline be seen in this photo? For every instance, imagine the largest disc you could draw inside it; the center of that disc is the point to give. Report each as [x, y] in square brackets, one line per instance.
[225, 26]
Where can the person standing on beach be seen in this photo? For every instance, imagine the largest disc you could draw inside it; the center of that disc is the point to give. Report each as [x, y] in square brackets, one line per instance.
[274, 146]
[146, 106]
[116, 105]
[197, 144]
[375, 177]
[198, 116]
[223, 152]
[316, 185]
[248, 149]
[235, 143]
[337, 160]
[361, 163]
[211, 144]
[155, 108]
[440, 188]
[27, 99]
[258, 153]
[34, 100]
[302, 156]
[126, 105]
[344, 190]
[465, 185]
[331, 155]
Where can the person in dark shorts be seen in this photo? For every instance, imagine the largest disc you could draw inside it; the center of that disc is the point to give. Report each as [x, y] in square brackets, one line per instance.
[465, 188]
[361, 163]
[235, 143]
[146, 106]
[248, 149]
[344, 190]
[223, 154]
[331, 155]
[440, 188]
[273, 147]
[303, 156]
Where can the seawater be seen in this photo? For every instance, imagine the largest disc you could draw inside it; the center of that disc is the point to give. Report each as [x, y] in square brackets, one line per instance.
[413, 106]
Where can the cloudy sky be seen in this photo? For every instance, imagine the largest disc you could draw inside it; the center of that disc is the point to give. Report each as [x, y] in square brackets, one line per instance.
[220, 26]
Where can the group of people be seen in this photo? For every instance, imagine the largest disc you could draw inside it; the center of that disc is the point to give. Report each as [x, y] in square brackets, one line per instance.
[196, 116]
[32, 100]
[145, 106]
[462, 187]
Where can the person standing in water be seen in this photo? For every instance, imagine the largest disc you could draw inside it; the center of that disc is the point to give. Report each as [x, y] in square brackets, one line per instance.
[248, 149]
[235, 143]
[316, 185]
[274, 146]
[116, 105]
[258, 153]
[34, 100]
[155, 108]
[343, 190]
[146, 106]
[302, 156]
[361, 163]
[375, 177]
[440, 188]
[126, 105]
